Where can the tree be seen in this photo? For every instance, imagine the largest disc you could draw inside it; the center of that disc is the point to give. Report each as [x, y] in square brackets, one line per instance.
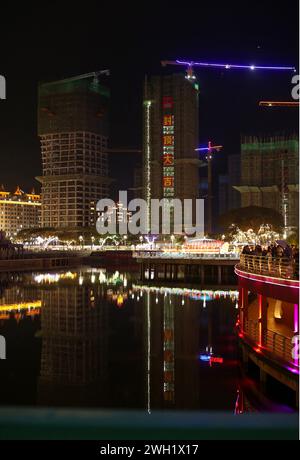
[252, 217]
[293, 238]
[29, 233]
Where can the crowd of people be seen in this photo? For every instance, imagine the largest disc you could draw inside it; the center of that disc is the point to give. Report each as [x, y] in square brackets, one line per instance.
[275, 250]
[280, 256]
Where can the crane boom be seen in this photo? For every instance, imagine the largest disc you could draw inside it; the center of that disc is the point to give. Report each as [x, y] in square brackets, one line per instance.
[191, 64]
[278, 104]
[95, 74]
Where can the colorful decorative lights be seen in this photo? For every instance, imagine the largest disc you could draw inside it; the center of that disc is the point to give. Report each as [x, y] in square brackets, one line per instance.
[193, 294]
[21, 306]
[206, 149]
[265, 279]
[296, 318]
[148, 159]
[207, 358]
[168, 141]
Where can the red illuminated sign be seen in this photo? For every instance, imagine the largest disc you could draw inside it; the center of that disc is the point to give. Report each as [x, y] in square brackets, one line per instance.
[168, 182]
[168, 120]
[168, 140]
[168, 159]
[167, 102]
[214, 359]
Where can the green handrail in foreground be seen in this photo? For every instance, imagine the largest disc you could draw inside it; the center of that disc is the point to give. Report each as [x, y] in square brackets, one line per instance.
[68, 424]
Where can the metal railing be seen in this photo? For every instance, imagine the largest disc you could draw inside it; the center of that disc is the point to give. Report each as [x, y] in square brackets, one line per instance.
[252, 330]
[279, 267]
[279, 344]
[182, 255]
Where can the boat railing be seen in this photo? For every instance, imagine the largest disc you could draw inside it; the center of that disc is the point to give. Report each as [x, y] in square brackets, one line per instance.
[279, 267]
[277, 344]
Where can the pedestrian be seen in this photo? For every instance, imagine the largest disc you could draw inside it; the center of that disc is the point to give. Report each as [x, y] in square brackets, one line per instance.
[288, 252]
[279, 251]
[273, 248]
[269, 259]
[246, 250]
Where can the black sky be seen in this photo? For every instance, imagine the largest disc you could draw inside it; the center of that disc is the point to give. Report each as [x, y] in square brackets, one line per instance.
[61, 39]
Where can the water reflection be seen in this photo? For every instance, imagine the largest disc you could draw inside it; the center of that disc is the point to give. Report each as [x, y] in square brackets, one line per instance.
[97, 338]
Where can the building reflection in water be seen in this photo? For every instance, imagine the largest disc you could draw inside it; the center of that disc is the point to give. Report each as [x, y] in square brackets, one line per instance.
[107, 342]
[74, 343]
[20, 307]
[178, 325]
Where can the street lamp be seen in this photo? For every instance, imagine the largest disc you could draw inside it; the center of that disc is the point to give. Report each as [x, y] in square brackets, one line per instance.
[81, 240]
[172, 240]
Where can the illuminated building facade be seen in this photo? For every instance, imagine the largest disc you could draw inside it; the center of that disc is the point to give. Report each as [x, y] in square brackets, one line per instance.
[270, 175]
[170, 163]
[73, 130]
[19, 210]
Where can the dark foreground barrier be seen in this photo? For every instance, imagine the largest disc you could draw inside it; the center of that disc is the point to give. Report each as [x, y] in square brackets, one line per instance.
[67, 424]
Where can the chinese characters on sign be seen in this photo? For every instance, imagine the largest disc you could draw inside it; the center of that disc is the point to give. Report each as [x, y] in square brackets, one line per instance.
[168, 147]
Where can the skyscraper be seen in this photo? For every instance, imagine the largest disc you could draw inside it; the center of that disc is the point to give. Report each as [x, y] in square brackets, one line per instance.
[73, 130]
[170, 162]
[229, 197]
[270, 175]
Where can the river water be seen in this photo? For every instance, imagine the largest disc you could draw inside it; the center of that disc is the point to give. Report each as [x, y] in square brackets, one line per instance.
[97, 338]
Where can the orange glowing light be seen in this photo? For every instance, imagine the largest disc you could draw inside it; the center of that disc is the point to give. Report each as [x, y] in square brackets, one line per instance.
[21, 306]
[120, 301]
[168, 120]
[168, 334]
[278, 104]
[168, 376]
[168, 140]
[168, 356]
[168, 181]
[168, 160]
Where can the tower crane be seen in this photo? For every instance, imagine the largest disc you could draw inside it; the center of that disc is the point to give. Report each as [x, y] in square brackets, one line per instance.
[190, 75]
[95, 74]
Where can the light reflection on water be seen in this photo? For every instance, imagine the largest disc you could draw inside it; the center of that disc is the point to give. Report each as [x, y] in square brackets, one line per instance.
[97, 338]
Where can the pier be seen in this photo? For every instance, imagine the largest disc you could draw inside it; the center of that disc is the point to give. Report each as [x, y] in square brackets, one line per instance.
[203, 269]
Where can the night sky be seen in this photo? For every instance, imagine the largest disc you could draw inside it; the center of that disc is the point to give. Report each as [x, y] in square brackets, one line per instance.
[62, 39]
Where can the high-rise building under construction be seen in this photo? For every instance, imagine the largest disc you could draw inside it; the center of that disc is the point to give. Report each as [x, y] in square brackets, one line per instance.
[73, 130]
[170, 162]
[270, 175]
